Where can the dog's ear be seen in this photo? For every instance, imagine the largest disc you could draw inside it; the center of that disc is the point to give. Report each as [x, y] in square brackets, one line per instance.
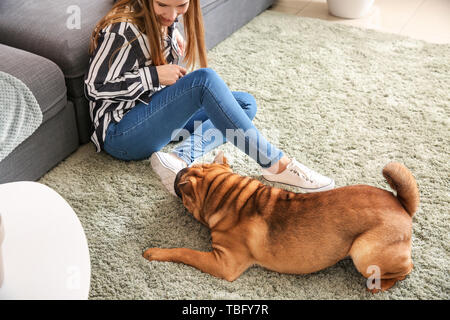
[187, 189]
[220, 158]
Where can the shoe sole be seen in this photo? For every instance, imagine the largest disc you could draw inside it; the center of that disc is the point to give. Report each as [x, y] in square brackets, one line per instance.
[306, 190]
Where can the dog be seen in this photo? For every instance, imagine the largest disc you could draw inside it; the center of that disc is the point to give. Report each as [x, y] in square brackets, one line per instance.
[297, 233]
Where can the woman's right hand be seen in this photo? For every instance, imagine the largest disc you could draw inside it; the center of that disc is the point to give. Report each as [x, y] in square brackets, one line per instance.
[168, 74]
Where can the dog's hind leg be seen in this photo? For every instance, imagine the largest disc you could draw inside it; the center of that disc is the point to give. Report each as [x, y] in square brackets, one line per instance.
[382, 264]
[217, 263]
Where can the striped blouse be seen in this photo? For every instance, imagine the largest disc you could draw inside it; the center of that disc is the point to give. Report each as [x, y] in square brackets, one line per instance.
[131, 78]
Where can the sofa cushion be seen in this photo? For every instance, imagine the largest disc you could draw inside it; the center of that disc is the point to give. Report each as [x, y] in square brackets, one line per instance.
[40, 75]
[46, 28]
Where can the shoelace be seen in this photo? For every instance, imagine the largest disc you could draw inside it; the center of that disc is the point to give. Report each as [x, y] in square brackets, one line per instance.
[175, 166]
[305, 172]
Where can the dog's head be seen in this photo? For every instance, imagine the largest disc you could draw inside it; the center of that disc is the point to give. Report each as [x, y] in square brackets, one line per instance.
[192, 183]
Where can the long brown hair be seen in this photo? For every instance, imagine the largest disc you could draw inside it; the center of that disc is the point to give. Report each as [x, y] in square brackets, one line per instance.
[142, 14]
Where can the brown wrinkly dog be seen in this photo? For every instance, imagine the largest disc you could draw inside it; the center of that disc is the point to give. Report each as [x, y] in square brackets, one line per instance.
[252, 223]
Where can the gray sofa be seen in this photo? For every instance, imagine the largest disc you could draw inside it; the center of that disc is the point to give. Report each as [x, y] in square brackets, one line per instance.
[38, 47]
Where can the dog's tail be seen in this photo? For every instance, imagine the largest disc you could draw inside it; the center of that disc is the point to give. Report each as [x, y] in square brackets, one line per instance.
[402, 180]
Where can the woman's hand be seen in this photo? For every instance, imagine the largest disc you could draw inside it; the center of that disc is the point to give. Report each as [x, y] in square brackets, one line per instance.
[168, 74]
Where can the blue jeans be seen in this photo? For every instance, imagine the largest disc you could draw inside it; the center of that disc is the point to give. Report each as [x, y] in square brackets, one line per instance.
[200, 109]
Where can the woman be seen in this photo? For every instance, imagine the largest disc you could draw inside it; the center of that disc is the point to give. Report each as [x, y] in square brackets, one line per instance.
[141, 99]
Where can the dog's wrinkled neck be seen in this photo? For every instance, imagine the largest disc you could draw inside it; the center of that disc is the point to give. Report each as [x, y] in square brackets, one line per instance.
[218, 208]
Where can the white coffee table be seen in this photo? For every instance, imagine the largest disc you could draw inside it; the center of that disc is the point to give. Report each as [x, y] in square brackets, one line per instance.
[45, 251]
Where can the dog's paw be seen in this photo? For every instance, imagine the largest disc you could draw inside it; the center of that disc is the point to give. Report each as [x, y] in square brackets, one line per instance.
[373, 291]
[152, 254]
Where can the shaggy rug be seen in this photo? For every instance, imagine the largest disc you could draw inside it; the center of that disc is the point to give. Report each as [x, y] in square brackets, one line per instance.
[342, 100]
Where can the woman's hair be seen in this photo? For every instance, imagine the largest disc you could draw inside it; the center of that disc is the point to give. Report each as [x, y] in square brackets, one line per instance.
[142, 14]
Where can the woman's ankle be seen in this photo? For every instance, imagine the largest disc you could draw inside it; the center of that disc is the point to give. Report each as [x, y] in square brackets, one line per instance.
[279, 166]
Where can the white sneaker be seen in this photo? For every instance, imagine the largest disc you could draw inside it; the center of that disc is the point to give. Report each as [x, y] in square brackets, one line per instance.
[166, 167]
[298, 175]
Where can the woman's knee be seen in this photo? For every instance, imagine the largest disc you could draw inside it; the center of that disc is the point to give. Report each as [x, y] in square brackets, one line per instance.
[204, 78]
[245, 99]
[208, 72]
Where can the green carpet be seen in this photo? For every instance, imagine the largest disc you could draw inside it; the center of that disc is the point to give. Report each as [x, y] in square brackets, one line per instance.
[342, 100]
